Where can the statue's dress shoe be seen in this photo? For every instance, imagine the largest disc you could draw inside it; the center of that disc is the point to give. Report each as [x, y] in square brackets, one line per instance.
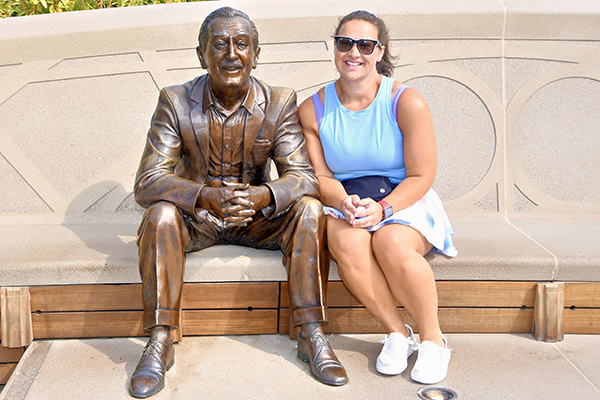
[324, 365]
[149, 375]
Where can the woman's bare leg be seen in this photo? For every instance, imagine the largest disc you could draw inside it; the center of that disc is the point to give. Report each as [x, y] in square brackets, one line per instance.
[399, 251]
[362, 275]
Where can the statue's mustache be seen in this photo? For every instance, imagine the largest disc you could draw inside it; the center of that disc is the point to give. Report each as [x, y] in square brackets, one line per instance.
[231, 65]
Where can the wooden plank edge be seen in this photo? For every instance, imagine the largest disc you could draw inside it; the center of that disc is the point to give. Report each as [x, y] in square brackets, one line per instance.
[128, 297]
[6, 371]
[582, 294]
[582, 321]
[496, 294]
[129, 323]
[8, 355]
[229, 322]
[452, 320]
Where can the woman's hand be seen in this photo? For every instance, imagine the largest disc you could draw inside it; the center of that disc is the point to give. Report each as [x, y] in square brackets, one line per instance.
[349, 207]
[361, 213]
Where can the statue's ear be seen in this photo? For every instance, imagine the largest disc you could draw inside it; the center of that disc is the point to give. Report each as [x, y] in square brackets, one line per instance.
[255, 60]
[200, 57]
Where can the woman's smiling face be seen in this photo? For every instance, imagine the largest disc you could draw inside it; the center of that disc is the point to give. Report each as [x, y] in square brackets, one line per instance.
[353, 64]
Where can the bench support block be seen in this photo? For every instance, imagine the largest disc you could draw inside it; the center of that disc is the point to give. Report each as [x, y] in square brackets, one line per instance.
[548, 313]
[15, 309]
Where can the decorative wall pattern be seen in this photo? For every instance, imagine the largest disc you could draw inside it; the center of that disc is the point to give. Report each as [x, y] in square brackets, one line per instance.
[517, 118]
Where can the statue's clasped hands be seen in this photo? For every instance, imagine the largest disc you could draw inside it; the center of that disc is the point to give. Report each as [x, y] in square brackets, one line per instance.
[235, 203]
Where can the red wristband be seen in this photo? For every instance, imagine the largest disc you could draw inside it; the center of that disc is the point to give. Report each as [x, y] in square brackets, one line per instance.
[387, 209]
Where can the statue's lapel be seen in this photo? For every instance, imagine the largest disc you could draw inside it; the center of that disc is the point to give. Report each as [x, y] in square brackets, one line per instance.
[255, 121]
[199, 118]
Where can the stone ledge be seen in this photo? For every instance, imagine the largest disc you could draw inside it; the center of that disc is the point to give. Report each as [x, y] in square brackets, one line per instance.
[56, 254]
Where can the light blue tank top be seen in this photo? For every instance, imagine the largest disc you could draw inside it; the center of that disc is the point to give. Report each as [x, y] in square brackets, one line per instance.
[366, 142]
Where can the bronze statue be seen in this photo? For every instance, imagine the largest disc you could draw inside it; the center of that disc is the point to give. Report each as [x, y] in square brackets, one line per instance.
[203, 179]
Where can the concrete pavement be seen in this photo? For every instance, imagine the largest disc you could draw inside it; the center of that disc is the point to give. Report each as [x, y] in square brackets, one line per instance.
[483, 366]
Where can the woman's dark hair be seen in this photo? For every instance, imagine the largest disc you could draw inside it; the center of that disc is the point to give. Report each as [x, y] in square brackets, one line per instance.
[385, 66]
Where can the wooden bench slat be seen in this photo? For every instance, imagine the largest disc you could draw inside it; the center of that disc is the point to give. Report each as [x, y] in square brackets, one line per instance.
[87, 324]
[450, 294]
[129, 323]
[452, 320]
[86, 297]
[582, 294]
[485, 294]
[8, 355]
[229, 322]
[230, 295]
[582, 321]
[6, 371]
[129, 297]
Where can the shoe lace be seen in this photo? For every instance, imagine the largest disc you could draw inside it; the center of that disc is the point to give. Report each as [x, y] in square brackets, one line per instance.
[153, 349]
[319, 340]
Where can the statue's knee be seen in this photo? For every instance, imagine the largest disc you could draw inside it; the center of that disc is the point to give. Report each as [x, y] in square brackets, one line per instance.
[310, 207]
[310, 213]
[163, 213]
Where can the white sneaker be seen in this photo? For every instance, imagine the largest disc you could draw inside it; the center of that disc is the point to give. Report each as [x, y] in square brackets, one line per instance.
[395, 352]
[432, 363]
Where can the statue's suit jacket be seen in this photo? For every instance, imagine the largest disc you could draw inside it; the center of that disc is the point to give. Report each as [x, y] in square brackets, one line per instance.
[175, 160]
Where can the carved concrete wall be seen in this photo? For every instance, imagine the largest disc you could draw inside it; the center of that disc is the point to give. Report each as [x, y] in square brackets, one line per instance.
[514, 88]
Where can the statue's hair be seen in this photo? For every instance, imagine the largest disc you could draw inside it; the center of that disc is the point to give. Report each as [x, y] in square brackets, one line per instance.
[225, 12]
[385, 66]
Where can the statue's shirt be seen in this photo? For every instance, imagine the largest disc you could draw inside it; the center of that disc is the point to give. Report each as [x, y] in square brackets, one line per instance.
[226, 133]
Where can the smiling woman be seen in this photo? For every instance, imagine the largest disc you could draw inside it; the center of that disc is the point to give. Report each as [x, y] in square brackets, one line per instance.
[367, 127]
[19, 8]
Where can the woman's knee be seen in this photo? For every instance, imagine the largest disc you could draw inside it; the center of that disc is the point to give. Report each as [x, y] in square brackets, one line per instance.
[394, 247]
[349, 250]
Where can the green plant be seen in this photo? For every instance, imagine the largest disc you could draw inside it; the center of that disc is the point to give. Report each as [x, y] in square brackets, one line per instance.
[18, 8]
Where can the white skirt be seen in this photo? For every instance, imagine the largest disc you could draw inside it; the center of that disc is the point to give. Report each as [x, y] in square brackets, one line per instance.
[427, 216]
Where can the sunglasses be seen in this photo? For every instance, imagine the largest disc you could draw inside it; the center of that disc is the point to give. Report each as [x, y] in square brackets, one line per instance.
[364, 46]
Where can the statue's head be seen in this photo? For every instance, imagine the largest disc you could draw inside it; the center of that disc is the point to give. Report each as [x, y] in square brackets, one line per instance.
[228, 49]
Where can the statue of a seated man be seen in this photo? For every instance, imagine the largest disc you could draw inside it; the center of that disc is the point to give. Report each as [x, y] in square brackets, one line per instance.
[203, 179]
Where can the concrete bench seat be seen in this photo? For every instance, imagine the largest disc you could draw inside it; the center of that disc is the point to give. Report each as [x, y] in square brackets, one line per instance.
[516, 106]
[53, 254]
[573, 245]
[107, 253]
